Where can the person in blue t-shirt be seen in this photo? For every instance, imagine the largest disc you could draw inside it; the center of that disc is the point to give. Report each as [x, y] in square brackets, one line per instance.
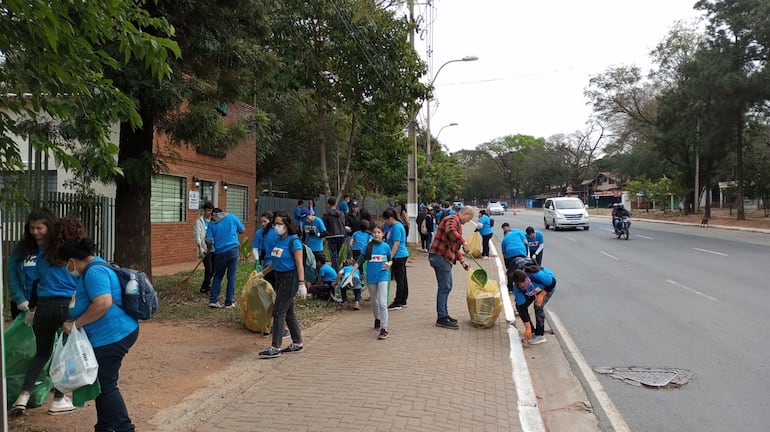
[536, 243]
[485, 229]
[324, 287]
[378, 261]
[533, 284]
[315, 231]
[284, 257]
[359, 240]
[396, 238]
[347, 282]
[110, 330]
[513, 246]
[223, 230]
[54, 292]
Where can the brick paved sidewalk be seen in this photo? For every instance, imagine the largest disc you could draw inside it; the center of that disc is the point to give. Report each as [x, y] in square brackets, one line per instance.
[422, 378]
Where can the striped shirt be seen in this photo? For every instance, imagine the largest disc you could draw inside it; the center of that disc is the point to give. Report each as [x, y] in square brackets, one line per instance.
[448, 239]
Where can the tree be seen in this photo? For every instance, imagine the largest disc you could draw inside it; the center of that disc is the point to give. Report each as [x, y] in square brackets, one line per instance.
[57, 58]
[223, 60]
[508, 155]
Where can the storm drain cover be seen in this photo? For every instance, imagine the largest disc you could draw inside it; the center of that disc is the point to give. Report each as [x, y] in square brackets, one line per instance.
[648, 377]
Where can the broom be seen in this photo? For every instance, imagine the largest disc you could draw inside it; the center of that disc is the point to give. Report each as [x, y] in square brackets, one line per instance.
[184, 283]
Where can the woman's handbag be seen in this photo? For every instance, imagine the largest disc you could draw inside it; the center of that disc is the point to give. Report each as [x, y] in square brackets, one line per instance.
[73, 364]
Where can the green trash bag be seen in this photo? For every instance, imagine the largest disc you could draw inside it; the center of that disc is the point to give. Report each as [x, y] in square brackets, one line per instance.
[86, 393]
[20, 348]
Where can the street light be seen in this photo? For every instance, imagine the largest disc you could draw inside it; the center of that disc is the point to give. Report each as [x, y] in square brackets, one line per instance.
[442, 128]
[430, 84]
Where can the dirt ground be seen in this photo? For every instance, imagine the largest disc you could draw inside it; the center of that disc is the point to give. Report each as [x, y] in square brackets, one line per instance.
[171, 360]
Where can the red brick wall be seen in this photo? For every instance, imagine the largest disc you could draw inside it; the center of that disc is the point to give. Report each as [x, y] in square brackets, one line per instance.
[173, 243]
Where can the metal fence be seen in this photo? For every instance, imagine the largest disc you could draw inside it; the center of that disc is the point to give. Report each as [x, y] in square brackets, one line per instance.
[97, 214]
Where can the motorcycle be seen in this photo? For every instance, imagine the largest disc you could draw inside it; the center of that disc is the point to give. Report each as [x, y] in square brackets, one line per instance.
[624, 229]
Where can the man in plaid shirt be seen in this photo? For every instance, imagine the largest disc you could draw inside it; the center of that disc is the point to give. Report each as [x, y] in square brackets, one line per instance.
[445, 252]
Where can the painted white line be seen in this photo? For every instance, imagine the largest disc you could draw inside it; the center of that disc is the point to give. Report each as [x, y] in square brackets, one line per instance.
[613, 257]
[571, 239]
[614, 417]
[644, 237]
[691, 290]
[510, 315]
[529, 413]
[711, 252]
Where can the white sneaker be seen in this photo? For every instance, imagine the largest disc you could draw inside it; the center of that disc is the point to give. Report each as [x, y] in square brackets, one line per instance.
[21, 404]
[535, 340]
[61, 406]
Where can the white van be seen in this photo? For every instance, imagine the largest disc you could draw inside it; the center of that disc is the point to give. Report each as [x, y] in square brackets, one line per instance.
[565, 212]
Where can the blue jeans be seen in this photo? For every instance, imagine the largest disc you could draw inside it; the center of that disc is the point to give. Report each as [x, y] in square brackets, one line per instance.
[443, 269]
[111, 411]
[224, 261]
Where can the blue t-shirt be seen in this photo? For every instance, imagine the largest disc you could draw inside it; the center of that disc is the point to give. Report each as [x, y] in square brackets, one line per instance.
[374, 264]
[360, 240]
[398, 233]
[514, 244]
[55, 281]
[115, 324]
[543, 279]
[521, 295]
[486, 225]
[346, 271]
[261, 238]
[279, 254]
[313, 239]
[224, 232]
[343, 207]
[327, 273]
[535, 242]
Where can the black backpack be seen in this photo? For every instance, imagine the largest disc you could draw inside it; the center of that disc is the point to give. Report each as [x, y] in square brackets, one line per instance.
[140, 300]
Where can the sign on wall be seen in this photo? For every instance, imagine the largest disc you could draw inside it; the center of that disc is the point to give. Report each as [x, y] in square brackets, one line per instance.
[193, 201]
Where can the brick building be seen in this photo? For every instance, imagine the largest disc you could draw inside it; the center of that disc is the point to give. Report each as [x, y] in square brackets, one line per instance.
[192, 176]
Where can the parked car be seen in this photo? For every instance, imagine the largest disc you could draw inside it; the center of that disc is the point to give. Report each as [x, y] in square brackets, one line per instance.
[495, 208]
[565, 212]
[458, 205]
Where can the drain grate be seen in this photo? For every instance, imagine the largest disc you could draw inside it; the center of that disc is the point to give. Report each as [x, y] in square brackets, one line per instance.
[648, 377]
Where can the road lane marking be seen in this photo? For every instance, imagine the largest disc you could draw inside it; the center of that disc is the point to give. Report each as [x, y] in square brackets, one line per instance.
[644, 237]
[711, 252]
[691, 290]
[570, 238]
[614, 417]
[613, 257]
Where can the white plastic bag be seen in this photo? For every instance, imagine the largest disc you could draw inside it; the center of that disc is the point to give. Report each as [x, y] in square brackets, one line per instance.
[73, 364]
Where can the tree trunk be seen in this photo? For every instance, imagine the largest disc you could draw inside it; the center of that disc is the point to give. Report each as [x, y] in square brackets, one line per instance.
[133, 243]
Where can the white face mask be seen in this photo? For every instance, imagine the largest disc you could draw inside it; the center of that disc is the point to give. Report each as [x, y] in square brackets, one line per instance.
[74, 272]
[280, 229]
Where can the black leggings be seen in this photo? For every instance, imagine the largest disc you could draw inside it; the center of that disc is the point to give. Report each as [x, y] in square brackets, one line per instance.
[50, 314]
[402, 284]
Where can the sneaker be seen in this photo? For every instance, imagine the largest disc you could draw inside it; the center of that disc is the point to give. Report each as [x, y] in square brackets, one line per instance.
[292, 348]
[445, 323]
[451, 319]
[230, 306]
[404, 306]
[286, 333]
[215, 305]
[394, 306]
[376, 323]
[205, 291]
[270, 352]
[383, 334]
[266, 334]
[357, 306]
[61, 406]
[21, 404]
[535, 340]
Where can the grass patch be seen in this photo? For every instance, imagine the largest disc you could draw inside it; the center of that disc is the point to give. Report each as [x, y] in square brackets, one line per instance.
[183, 301]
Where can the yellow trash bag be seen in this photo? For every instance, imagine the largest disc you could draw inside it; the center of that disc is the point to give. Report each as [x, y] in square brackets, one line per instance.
[484, 301]
[474, 244]
[256, 303]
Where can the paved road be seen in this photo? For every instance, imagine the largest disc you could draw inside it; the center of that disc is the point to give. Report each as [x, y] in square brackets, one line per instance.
[671, 297]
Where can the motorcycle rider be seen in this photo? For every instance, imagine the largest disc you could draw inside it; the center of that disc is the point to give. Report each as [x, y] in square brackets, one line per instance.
[618, 213]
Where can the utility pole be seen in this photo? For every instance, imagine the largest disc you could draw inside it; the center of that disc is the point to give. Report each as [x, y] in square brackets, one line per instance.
[411, 205]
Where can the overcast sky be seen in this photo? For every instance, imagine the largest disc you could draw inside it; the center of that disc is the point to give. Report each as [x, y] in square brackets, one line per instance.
[535, 60]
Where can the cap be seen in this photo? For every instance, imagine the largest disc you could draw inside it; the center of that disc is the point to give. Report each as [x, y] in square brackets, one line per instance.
[303, 215]
[354, 203]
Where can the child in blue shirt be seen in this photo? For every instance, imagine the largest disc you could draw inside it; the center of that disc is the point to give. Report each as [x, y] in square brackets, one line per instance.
[378, 261]
[327, 278]
[358, 242]
[353, 284]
